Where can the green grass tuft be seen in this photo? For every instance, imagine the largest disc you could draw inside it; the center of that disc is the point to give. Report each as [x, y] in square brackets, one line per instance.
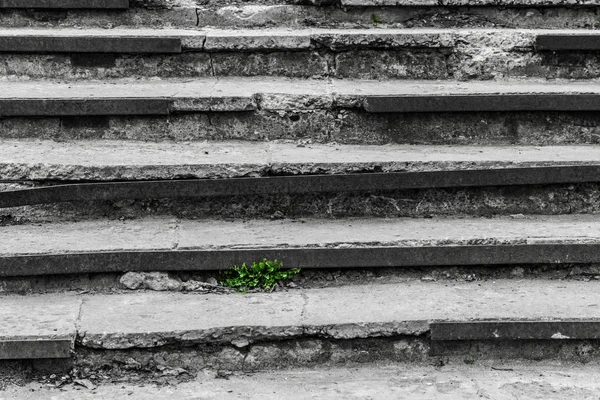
[262, 275]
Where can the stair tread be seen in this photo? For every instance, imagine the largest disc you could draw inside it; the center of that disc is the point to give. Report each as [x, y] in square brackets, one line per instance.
[150, 319]
[130, 160]
[248, 86]
[162, 233]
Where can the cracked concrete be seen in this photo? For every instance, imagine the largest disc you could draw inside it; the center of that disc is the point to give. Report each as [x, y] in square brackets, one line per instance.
[153, 320]
[158, 233]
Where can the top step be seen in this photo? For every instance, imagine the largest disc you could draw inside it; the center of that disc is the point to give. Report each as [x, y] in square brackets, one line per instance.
[66, 4]
[190, 14]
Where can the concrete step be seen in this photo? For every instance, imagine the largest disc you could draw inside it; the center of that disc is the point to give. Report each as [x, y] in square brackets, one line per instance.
[61, 181]
[461, 380]
[403, 322]
[75, 54]
[65, 4]
[341, 111]
[171, 244]
[189, 14]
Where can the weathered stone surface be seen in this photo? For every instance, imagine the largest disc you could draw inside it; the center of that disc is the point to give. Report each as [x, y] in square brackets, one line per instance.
[128, 160]
[159, 281]
[522, 3]
[252, 40]
[41, 44]
[65, 4]
[338, 40]
[121, 322]
[38, 326]
[516, 330]
[350, 233]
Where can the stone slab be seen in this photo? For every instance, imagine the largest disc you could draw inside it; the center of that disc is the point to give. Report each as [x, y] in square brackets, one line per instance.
[246, 94]
[476, 103]
[190, 188]
[38, 326]
[65, 4]
[470, 3]
[90, 44]
[252, 40]
[154, 319]
[106, 160]
[497, 379]
[85, 106]
[567, 42]
[159, 244]
[516, 330]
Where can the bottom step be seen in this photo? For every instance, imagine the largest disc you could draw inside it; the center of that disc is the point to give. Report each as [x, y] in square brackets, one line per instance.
[416, 321]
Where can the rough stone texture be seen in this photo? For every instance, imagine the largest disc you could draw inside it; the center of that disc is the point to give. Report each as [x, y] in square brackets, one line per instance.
[489, 202]
[65, 4]
[240, 40]
[364, 54]
[207, 281]
[150, 280]
[122, 321]
[418, 381]
[312, 110]
[262, 15]
[130, 160]
[170, 234]
[524, 3]
[291, 64]
[345, 126]
[37, 317]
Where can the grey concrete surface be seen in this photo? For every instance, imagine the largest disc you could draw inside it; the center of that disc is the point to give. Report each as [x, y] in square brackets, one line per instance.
[151, 319]
[107, 160]
[514, 381]
[173, 234]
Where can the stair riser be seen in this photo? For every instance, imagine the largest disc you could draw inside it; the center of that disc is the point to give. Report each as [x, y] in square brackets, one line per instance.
[194, 282]
[260, 16]
[485, 201]
[345, 126]
[358, 64]
[322, 352]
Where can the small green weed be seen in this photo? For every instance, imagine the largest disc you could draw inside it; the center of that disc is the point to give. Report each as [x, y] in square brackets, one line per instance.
[263, 274]
[469, 362]
[376, 20]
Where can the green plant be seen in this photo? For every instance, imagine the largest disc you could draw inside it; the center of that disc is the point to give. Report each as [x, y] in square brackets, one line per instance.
[376, 20]
[263, 274]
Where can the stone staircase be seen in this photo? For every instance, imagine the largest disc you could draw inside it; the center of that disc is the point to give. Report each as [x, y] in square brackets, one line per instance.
[432, 167]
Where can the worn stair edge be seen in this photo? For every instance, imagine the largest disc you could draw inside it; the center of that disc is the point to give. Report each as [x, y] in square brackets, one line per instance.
[238, 94]
[84, 161]
[35, 348]
[188, 189]
[511, 330]
[153, 319]
[469, 3]
[164, 244]
[306, 257]
[65, 4]
[148, 320]
[567, 42]
[119, 40]
[38, 327]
